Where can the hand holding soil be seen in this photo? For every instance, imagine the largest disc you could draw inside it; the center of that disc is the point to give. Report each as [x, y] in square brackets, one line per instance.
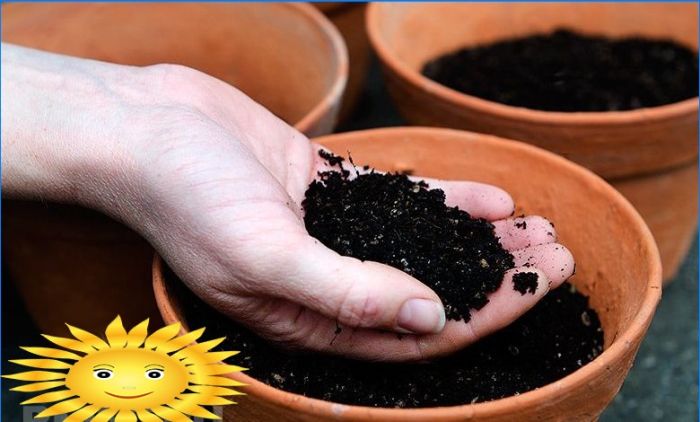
[215, 182]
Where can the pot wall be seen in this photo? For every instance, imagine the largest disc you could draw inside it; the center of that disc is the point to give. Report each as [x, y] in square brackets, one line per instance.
[617, 266]
[76, 266]
[349, 18]
[642, 144]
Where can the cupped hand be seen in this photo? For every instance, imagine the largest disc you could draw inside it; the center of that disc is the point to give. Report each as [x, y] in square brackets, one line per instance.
[218, 191]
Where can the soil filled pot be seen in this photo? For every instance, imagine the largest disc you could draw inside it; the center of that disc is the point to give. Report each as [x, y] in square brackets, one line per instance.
[288, 57]
[349, 18]
[618, 267]
[619, 145]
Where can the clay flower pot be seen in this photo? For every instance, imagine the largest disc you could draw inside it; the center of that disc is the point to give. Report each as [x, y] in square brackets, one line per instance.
[618, 266]
[349, 18]
[634, 149]
[289, 57]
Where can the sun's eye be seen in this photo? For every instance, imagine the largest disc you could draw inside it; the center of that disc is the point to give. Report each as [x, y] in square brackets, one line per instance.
[154, 374]
[102, 374]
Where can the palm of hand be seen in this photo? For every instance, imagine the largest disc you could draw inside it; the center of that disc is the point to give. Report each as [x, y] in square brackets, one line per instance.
[231, 185]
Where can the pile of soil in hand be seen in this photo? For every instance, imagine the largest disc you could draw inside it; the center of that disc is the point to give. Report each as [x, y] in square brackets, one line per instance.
[566, 71]
[390, 219]
[556, 337]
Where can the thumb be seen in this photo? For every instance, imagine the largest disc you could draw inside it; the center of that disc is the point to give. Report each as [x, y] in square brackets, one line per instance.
[357, 293]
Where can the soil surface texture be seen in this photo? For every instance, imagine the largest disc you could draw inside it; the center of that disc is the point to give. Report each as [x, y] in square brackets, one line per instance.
[556, 337]
[525, 283]
[390, 219]
[567, 71]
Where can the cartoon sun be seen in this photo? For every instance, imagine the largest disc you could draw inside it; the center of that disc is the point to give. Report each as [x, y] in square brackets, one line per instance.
[131, 376]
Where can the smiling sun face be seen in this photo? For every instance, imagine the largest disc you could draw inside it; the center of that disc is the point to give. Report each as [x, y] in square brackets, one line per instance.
[128, 379]
[130, 375]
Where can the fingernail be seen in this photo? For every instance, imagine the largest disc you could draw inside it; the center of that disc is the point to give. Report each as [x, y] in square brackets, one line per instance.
[421, 316]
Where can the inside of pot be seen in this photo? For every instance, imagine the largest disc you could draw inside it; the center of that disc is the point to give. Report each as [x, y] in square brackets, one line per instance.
[243, 44]
[446, 27]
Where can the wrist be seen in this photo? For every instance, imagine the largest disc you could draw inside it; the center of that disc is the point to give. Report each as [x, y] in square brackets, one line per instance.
[67, 127]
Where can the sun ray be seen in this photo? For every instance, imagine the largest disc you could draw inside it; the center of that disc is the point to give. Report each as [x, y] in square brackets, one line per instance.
[125, 416]
[42, 363]
[88, 338]
[36, 376]
[51, 397]
[137, 335]
[49, 352]
[198, 348]
[214, 391]
[215, 369]
[162, 336]
[83, 414]
[214, 381]
[63, 407]
[179, 342]
[146, 416]
[116, 333]
[38, 386]
[191, 408]
[206, 400]
[69, 343]
[105, 415]
[170, 414]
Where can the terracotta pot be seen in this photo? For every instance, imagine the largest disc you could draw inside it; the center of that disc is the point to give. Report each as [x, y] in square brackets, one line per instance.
[616, 145]
[76, 266]
[618, 266]
[286, 56]
[349, 18]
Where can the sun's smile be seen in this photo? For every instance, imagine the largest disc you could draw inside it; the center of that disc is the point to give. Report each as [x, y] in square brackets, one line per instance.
[159, 377]
[128, 397]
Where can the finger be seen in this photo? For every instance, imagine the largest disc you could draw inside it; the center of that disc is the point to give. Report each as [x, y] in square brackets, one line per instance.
[478, 199]
[523, 232]
[505, 306]
[310, 330]
[553, 259]
[353, 292]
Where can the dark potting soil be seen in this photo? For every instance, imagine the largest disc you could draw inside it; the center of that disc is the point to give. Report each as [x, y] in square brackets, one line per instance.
[525, 283]
[566, 71]
[390, 219]
[556, 337]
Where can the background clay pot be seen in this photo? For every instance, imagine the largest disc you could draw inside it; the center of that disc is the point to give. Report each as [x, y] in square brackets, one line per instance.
[289, 57]
[618, 266]
[642, 144]
[349, 18]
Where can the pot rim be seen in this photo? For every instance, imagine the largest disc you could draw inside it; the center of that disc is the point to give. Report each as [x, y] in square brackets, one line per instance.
[508, 405]
[504, 111]
[335, 92]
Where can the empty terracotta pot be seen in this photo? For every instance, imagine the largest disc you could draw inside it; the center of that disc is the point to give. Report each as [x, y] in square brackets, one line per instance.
[289, 57]
[349, 18]
[618, 266]
[639, 143]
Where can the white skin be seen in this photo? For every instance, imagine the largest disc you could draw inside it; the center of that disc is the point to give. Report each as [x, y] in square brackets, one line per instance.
[214, 182]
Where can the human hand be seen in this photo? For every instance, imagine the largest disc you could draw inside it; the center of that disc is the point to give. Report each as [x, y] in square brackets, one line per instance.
[215, 182]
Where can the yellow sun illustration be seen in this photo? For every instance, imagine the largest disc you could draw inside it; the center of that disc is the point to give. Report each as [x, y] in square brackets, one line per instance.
[131, 376]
